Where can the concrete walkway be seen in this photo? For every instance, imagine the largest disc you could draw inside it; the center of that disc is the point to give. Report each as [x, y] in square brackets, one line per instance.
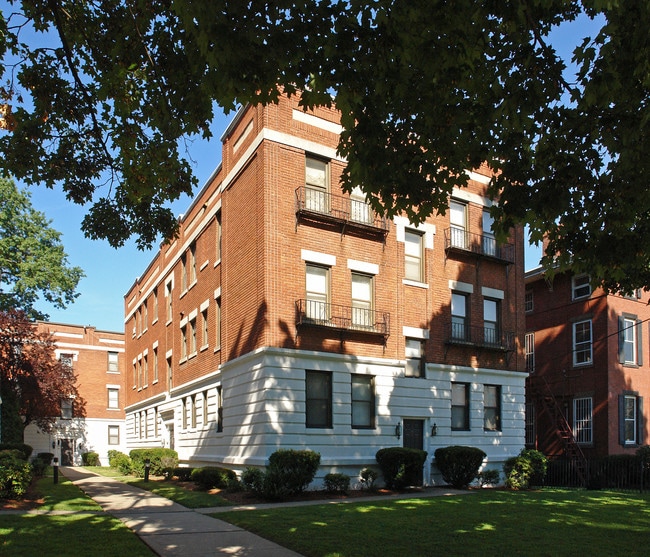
[168, 528]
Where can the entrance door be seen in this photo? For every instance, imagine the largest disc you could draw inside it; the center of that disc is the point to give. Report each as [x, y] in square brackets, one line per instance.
[414, 439]
[67, 452]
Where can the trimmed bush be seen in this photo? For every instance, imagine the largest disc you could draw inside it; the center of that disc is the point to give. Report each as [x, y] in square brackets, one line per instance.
[367, 479]
[292, 470]
[401, 467]
[121, 462]
[459, 465]
[183, 474]
[15, 474]
[162, 461]
[25, 449]
[90, 458]
[45, 457]
[252, 480]
[488, 477]
[526, 470]
[337, 483]
[212, 476]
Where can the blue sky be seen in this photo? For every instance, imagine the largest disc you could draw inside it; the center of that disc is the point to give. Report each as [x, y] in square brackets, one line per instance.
[110, 272]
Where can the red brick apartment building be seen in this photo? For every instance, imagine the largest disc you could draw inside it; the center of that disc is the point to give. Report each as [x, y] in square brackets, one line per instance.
[97, 358]
[287, 314]
[589, 367]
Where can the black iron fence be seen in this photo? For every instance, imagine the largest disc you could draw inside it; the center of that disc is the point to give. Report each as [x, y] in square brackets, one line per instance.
[621, 472]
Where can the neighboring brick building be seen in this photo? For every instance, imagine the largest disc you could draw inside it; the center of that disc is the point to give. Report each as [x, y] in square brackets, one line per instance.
[288, 315]
[97, 359]
[589, 367]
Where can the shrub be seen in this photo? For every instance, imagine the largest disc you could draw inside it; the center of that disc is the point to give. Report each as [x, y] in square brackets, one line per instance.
[90, 458]
[26, 450]
[121, 462]
[15, 474]
[459, 465]
[183, 474]
[488, 477]
[161, 461]
[337, 483]
[401, 466]
[527, 469]
[252, 480]
[292, 470]
[367, 479]
[209, 477]
[45, 457]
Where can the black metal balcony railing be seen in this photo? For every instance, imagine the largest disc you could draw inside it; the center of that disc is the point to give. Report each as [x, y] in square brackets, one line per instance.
[338, 208]
[481, 336]
[342, 318]
[459, 239]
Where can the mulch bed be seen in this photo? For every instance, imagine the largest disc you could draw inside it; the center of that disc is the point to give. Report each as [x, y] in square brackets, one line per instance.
[31, 500]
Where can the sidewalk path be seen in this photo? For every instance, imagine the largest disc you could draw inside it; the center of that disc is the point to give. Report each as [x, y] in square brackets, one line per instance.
[168, 528]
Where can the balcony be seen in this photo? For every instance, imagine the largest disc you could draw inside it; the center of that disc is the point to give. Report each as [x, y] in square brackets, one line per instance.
[483, 337]
[460, 241]
[320, 206]
[342, 318]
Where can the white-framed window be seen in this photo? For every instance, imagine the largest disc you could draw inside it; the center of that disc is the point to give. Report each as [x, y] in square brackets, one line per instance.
[219, 409]
[414, 353]
[317, 292]
[582, 343]
[193, 411]
[113, 434]
[360, 210]
[580, 286]
[529, 342]
[631, 419]
[191, 264]
[530, 432]
[583, 420]
[145, 370]
[184, 405]
[184, 341]
[204, 321]
[217, 320]
[113, 398]
[414, 255]
[491, 318]
[170, 373]
[204, 413]
[528, 301]
[192, 336]
[362, 301]
[460, 406]
[66, 408]
[459, 316]
[630, 340]
[66, 360]
[488, 240]
[458, 222]
[492, 407]
[218, 234]
[363, 401]
[318, 398]
[317, 184]
[145, 316]
[155, 364]
[154, 305]
[113, 362]
[168, 297]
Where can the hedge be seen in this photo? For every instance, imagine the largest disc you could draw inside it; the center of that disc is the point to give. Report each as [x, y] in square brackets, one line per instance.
[459, 465]
[401, 466]
[162, 461]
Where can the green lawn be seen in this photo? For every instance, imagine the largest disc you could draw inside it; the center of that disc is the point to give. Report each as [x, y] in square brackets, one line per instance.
[485, 523]
[87, 532]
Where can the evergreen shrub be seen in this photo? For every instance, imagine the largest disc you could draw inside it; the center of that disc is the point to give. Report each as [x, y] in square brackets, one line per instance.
[15, 474]
[459, 465]
[401, 466]
[90, 458]
[25, 449]
[337, 483]
[162, 461]
[210, 477]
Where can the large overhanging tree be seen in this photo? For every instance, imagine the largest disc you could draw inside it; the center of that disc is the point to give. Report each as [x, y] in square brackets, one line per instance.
[101, 98]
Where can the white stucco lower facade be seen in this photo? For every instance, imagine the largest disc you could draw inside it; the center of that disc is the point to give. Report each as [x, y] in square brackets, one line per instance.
[261, 398]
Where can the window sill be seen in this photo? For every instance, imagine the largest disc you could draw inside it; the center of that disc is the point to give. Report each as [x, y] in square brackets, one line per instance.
[417, 284]
[203, 348]
[217, 262]
[217, 349]
[154, 322]
[204, 266]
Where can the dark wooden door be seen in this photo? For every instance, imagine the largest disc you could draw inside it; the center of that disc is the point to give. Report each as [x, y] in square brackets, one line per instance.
[414, 439]
[67, 452]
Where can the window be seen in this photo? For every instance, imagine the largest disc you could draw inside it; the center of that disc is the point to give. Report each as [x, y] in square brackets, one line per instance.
[363, 401]
[170, 373]
[580, 286]
[362, 298]
[145, 370]
[492, 408]
[218, 234]
[460, 406]
[360, 210]
[530, 352]
[413, 256]
[155, 306]
[204, 321]
[316, 182]
[193, 411]
[582, 346]
[318, 389]
[143, 424]
[155, 422]
[204, 413]
[458, 222]
[66, 409]
[66, 361]
[113, 366]
[317, 286]
[414, 352]
[631, 419]
[184, 412]
[145, 316]
[192, 337]
[582, 420]
[530, 433]
[219, 409]
[113, 398]
[528, 301]
[491, 334]
[459, 321]
[184, 341]
[113, 434]
[191, 264]
[168, 295]
[488, 240]
[217, 319]
[630, 345]
[139, 366]
[155, 364]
